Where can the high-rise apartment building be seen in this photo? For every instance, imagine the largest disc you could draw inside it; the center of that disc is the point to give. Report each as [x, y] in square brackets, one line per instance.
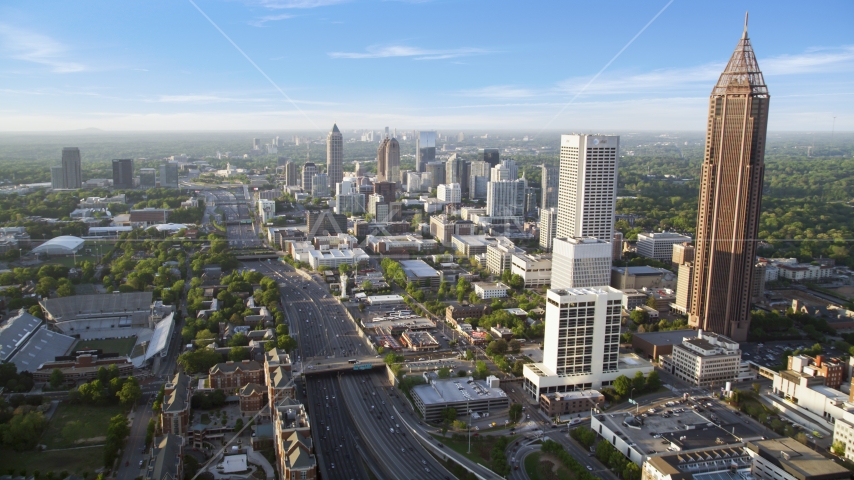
[449, 192]
[550, 181]
[291, 174]
[57, 178]
[309, 170]
[685, 281]
[437, 173]
[491, 156]
[256, 144]
[147, 178]
[320, 185]
[587, 191]
[388, 160]
[548, 228]
[512, 168]
[425, 151]
[506, 198]
[335, 156]
[386, 189]
[477, 178]
[169, 175]
[659, 245]
[72, 173]
[730, 197]
[123, 173]
[580, 262]
[499, 173]
[453, 169]
[582, 343]
[682, 253]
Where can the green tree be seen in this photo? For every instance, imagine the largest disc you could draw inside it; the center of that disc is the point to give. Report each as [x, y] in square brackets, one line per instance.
[653, 381]
[238, 354]
[838, 448]
[286, 343]
[514, 346]
[622, 385]
[444, 372]
[130, 392]
[640, 317]
[638, 382]
[515, 412]
[481, 370]
[449, 414]
[57, 378]
[199, 361]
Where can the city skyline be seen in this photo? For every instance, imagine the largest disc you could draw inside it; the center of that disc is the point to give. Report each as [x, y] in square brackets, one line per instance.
[59, 74]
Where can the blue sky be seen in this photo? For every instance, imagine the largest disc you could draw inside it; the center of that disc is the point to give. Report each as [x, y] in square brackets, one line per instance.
[440, 64]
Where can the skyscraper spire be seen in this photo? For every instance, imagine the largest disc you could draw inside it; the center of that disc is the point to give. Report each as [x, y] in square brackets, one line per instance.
[744, 35]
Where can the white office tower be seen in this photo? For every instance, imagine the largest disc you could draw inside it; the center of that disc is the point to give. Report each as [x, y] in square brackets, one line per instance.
[580, 262]
[478, 178]
[498, 173]
[506, 198]
[659, 246]
[548, 228]
[449, 192]
[587, 191]
[347, 197]
[582, 342]
[512, 168]
[266, 210]
[413, 182]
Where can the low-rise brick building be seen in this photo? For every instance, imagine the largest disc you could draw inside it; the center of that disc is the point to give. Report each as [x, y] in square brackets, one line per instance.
[251, 398]
[554, 404]
[175, 411]
[233, 375]
[83, 366]
[454, 313]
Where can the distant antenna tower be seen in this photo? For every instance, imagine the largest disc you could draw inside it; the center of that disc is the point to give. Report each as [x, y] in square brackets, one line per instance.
[833, 128]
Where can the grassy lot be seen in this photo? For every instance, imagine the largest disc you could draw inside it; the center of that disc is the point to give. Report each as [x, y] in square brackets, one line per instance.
[122, 346]
[546, 467]
[480, 447]
[78, 425]
[69, 261]
[74, 461]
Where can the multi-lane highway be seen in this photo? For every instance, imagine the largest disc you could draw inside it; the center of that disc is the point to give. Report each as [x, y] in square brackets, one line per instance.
[235, 216]
[325, 331]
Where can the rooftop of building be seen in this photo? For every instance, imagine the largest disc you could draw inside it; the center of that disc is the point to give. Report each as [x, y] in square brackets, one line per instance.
[167, 449]
[418, 268]
[455, 391]
[336, 253]
[476, 240]
[44, 346]
[797, 460]
[97, 305]
[673, 337]
[230, 367]
[696, 465]
[414, 323]
[177, 400]
[422, 338]
[640, 271]
[577, 395]
[491, 285]
[665, 236]
[15, 331]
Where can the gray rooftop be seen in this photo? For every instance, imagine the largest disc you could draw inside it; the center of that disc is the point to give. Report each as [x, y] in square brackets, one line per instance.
[642, 270]
[15, 332]
[455, 391]
[418, 268]
[673, 337]
[44, 346]
[97, 306]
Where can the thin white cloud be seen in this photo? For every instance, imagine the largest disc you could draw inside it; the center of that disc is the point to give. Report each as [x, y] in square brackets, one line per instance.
[500, 91]
[270, 18]
[416, 53]
[811, 61]
[283, 4]
[192, 99]
[36, 48]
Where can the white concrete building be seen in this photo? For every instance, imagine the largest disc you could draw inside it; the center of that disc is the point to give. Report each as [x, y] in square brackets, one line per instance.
[804, 272]
[413, 182]
[706, 360]
[320, 185]
[352, 202]
[499, 255]
[582, 342]
[485, 290]
[266, 210]
[659, 245]
[548, 228]
[581, 262]
[536, 270]
[506, 198]
[333, 258]
[587, 190]
[449, 193]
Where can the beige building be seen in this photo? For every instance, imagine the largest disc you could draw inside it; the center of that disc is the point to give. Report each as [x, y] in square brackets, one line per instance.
[682, 304]
[706, 360]
[499, 256]
[536, 270]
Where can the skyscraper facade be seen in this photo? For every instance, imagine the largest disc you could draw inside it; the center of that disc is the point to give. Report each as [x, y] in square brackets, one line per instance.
[425, 150]
[453, 170]
[388, 160]
[335, 156]
[437, 173]
[550, 181]
[57, 178]
[309, 170]
[320, 185]
[169, 175]
[506, 198]
[587, 190]
[291, 174]
[72, 174]
[730, 197]
[123, 173]
[548, 228]
[491, 156]
[147, 177]
[580, 262]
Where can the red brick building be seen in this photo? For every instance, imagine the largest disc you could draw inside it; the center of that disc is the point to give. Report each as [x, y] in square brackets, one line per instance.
[231, 375]
[175, 413]
[251, 398]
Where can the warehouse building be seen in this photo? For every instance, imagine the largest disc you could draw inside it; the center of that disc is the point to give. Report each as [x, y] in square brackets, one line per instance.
[461, 394]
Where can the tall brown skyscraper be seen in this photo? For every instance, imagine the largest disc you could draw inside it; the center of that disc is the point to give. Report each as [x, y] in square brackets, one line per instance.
[388, 160]
[730, 197]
